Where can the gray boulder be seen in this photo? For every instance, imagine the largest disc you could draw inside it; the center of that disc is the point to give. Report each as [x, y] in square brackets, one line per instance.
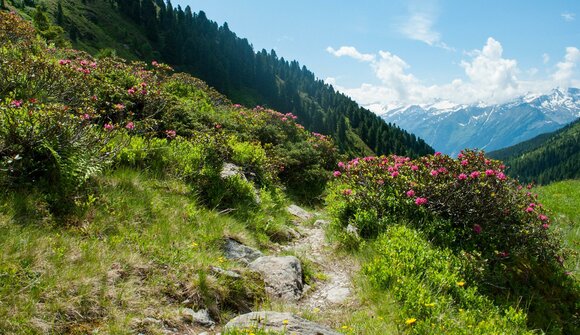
[239, 252]
[279, 322]
[282, 276]
[299, 212]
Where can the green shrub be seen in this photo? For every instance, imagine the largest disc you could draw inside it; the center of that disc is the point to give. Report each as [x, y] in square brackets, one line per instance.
[50, 148]
[431, 287]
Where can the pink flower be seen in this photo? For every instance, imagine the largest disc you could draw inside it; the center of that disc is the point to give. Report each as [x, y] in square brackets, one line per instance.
[545, 226]
[543, 217]
[434, 173]
[93, 65]
[131, 91]
[284, 119]
[348, 191]
[477, 228]
[462, 176]
[394, 174]
[464, 162]
[460, 156]
[218, 126]
[16, 103]
[474, 174]
[336, 173]
[420, 201]
[170, 133]
[487, 162]
[341, 165]
[380, 182]
[86, 116]
[237, 105]
[410, 193]
[130, 126]
[154, 63]
[64, 62]
[442, 170]
[437, 154]
[532, 205]
[414, 167]
[119, 107]
[501, 176]
[489, 172]
[109, 126]
[529, 210]
[94, 98]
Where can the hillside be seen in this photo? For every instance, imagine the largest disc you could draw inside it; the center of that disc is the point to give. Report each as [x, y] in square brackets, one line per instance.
[190, 42]
[450, 128]
[138, 200]
[546, 158]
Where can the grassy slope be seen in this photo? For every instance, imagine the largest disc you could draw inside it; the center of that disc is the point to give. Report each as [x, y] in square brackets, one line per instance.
[563, 198]
[144, 250]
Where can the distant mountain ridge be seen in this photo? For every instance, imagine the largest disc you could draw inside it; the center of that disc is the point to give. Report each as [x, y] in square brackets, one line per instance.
[545, 158]
[449, 127]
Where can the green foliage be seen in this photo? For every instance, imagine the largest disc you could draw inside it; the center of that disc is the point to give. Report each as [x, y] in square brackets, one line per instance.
[545, 158]
[229, 63]
[430, 285]
[469, 206]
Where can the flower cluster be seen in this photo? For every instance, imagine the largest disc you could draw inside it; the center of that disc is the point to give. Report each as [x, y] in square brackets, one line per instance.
[486, 209]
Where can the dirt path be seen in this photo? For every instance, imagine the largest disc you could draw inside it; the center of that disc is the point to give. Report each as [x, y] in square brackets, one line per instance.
[335, 286]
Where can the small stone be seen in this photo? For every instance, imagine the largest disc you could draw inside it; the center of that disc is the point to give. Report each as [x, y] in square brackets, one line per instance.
[321, 223]
[239, 252]
[230, 170]
[299, 212]
[352, 230]
[200, 317]
[338, 294]
[226, 273]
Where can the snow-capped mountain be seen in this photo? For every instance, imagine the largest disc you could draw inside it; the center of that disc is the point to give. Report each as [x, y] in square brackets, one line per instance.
[449, 127]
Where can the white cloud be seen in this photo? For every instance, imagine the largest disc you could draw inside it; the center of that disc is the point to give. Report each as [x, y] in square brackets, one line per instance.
[545, 58]
[489, 77]
[568, 17]
[419, 26]
[564, 75]
[351, 52]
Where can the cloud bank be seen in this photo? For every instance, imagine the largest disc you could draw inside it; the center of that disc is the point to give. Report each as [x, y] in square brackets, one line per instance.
[489, 78]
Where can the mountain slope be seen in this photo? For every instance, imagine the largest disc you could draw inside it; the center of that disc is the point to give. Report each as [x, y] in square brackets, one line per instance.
[546, 158]
[192, 43]
[451, 128]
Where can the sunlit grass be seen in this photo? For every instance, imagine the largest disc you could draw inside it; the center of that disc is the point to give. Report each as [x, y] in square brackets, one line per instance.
[144, 249]
[563, 199]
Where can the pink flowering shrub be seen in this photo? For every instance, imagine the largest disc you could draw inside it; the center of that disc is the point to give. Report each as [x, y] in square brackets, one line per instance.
[483, 211]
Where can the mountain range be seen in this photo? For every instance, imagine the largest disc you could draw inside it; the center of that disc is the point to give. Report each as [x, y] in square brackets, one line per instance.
[449, 127]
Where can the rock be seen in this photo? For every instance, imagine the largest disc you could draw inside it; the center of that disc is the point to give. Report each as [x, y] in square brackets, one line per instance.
[279, 322]
[200, 317]
[282, 276]
[337, 294]
[226, 273]
[352, 230]
[230, 170]
[239, 252]
[299, 212]
[321, 223]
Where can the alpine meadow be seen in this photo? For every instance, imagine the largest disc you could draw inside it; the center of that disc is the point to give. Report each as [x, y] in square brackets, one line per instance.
[162, 175]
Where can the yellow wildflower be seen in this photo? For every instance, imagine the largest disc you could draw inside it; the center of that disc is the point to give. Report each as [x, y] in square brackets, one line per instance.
[430, 304]
[410, 321]
[285, 322]
[460, 283]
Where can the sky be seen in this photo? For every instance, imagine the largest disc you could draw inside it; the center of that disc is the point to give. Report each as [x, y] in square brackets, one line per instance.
[386, 54]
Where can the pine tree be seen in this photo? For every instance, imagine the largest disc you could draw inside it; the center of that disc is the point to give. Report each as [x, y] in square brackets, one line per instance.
[59, 14]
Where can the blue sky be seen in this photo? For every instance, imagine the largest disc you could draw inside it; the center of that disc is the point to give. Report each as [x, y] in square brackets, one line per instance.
[389, 53]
